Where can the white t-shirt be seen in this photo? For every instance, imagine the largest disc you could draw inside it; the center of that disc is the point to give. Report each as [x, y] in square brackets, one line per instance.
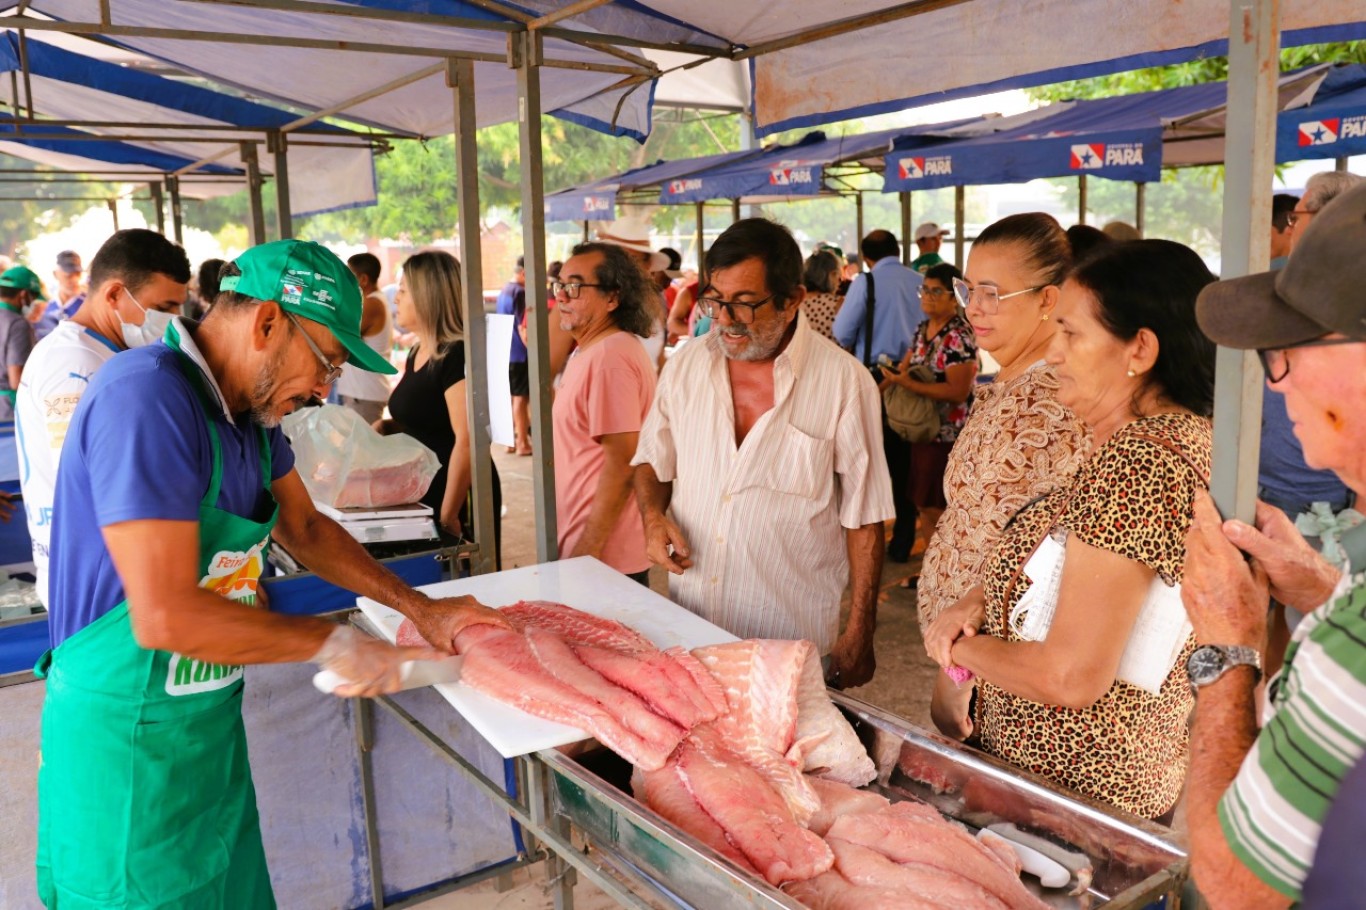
[363, 384]
[55, 377]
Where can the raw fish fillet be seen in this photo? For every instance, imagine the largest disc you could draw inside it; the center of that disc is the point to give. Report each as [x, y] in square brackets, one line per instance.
[408, 636]
[576, 626]
[655, 676]
[754, 818]
[863, 866]
[557, 657]
[665, 792]
[500, 664]
[711, 690]
[832, 891]
[912, 833]
[839, 799]
[760, 681]
[835, 753]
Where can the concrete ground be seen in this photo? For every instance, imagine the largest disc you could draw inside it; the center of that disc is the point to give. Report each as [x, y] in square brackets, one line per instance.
[902, 684]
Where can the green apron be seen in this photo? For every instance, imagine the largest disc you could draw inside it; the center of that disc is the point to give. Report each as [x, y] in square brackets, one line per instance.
[145, 797]
[11, 395]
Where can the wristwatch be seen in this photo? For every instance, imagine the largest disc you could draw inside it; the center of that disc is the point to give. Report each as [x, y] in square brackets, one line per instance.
[1209, 662]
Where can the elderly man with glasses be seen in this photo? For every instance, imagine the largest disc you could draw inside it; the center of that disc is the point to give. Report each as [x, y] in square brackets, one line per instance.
[760, 474]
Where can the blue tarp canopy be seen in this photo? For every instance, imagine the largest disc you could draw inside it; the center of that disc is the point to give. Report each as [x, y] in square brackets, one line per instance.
[596, 201]
[1332, 126]
[92, 153]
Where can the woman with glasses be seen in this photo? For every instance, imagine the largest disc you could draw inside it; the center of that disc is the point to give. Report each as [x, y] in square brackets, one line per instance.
[944, 342]
[1075, 630]
[1018, 441]
[429, 401]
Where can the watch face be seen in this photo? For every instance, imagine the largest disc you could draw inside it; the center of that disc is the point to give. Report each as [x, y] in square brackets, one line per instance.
[1206, 665]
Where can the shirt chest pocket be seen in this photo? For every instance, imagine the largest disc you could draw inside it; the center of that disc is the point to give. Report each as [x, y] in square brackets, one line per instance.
[793, 464]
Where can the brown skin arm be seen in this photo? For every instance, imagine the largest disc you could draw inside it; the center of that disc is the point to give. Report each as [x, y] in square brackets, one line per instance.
[335, 556]
[949, 707]
[614, 488]
[372, 316]
[678, 314]
[652, 495]
[852, 661]
[460, 472]
[956, 387]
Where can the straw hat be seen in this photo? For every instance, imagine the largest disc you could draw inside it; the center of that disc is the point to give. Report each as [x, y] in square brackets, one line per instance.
[632, 232]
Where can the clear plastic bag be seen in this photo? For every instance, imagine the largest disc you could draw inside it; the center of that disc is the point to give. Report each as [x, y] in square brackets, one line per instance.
[344, 463]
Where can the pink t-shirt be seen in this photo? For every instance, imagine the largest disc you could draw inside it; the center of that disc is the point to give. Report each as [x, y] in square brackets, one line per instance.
[606, 388]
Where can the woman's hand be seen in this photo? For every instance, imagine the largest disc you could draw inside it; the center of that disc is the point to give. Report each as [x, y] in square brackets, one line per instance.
[962, 620]
[949, 708]
[450, 520]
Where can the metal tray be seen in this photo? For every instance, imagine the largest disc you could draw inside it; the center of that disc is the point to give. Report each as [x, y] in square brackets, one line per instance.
[1137, 863]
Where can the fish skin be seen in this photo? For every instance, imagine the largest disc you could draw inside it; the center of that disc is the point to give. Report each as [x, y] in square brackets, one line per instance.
[836, 752]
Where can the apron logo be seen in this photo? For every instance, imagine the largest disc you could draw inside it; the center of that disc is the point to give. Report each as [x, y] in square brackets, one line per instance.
[187, 676]
[235, 575]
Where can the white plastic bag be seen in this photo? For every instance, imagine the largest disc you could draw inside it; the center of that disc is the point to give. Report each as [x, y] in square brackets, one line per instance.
[344, 463]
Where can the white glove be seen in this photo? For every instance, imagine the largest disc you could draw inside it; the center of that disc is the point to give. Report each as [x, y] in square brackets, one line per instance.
[366, 666]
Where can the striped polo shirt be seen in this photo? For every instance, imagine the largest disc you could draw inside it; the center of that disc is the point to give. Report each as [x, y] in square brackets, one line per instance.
[1316, 732]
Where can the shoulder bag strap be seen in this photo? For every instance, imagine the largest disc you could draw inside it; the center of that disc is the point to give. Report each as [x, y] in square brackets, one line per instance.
[868, 324]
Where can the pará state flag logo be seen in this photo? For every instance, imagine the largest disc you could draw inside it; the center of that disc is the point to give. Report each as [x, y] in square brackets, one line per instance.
[292, 293]
[1088, 157]
[911, 168]
[1319, 132]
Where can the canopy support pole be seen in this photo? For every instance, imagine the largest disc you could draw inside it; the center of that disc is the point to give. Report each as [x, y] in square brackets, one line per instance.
[734, 210]
[114, 210]
[1253, 65]
[158, 204]
[701, 244]
[278, 146]
[905, 227]
[527, 57]
[1340, 164]
[1081, 199]
[460, 79]
[585, 230]
[177, 215]
[258, 214]
[1140, 206]
[858, 225]
[960, 208]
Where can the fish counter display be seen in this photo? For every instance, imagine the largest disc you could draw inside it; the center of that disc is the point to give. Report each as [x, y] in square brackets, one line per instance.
[740, 748]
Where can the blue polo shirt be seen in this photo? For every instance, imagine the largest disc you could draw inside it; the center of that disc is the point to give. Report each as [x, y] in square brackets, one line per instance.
[896, 310]
[512, 302]
[138, 448]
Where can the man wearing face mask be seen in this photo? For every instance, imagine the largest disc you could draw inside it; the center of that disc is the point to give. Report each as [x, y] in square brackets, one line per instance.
[19, 290]
[138, 281]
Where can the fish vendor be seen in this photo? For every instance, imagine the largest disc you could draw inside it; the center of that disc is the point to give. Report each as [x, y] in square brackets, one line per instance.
[174, 478]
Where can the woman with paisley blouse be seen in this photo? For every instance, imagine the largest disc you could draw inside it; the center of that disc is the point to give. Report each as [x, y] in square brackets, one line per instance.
[1133, 365]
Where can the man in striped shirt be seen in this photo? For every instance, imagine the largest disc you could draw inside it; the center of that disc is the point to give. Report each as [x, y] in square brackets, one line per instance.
[1256, 799]
[761, 478]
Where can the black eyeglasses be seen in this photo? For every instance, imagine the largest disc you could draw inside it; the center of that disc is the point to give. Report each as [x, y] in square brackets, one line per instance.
[739, 313]
[1277, 366]
[571, 288]
[330, 372]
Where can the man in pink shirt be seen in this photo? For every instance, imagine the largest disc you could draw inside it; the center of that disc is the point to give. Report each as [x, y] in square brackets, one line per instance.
[607, 303]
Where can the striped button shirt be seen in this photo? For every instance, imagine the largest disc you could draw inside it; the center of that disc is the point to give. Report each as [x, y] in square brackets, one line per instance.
[1272, 814]
[765, 521]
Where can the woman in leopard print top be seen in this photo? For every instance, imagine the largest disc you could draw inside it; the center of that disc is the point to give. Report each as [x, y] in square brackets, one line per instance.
[1134, 366]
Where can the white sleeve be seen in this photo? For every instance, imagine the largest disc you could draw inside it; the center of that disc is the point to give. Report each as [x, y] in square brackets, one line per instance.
[59, 388]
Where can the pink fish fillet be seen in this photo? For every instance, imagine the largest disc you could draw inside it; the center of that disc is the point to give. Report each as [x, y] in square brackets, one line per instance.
[665, 792]
[760, 679]
[863, 866]
[576, 626]
[408, 636]
[839, 799]
[832, 891]
[558, 658]
[500, 664]
[707, 684]
[835, 753]
[755, 819]
[910, 833]
[656, 677]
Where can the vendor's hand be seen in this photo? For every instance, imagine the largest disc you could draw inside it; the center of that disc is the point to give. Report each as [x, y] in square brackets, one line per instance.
[666, 546]
[1225, 595]
[6, 506]
[441, 621]
[852, 661]
[962, 620]
[373, 667]
[1298, 575]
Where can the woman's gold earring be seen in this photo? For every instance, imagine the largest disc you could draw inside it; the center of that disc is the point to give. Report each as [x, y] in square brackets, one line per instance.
[1045, 317]
[1132, 374]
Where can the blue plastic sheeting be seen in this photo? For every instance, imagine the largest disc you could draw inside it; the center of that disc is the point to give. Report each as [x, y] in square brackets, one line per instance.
[1333, 126]
[97, 151]
[594, 201]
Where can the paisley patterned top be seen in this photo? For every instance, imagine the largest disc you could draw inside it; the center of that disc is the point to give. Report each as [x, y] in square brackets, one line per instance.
[1133, 497]
[1017, 443]
[954, 343]
[820, 310]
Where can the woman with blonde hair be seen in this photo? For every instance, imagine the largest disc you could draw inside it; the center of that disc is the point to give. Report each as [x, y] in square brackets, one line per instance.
[429, 401]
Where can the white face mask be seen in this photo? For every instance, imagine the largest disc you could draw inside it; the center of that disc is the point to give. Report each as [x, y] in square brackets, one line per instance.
[153, 328]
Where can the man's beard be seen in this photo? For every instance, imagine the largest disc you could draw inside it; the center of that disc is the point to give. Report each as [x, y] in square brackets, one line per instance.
[264, 389]
[762, 345]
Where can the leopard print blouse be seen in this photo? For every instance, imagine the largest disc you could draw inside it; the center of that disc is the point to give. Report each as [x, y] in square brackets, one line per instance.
[1133, 497]
[1018, 442]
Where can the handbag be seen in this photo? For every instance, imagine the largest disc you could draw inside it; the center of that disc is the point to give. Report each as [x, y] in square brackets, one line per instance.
[912, 416]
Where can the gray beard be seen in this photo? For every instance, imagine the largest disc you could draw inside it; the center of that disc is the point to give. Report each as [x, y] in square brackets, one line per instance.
[761, 346]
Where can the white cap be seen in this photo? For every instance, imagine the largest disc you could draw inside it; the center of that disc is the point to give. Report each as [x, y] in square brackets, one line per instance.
[929, 229]
[632, 232]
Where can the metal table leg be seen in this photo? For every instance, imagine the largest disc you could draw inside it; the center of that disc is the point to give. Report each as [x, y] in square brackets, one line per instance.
[364, 712]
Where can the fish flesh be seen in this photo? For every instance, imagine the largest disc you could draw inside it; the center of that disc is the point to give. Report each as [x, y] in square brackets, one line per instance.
[576, 626]
[838, 800]
[832, 891]
[835, 752]
[657, 677]
[667, 794]
[865, 866]
[501, 664]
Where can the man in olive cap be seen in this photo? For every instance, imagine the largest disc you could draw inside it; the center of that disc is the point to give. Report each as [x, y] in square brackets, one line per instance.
[174, 478]
[19, 289]
[1256, 798]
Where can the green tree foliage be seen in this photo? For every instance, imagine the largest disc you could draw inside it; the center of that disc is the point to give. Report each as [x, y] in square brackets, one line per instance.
[37, 206]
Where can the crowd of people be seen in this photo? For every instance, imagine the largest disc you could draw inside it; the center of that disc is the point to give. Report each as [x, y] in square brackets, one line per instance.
[1097, 623]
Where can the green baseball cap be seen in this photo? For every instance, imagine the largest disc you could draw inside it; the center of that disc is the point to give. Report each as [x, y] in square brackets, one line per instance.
[308, 280]
[22, 278]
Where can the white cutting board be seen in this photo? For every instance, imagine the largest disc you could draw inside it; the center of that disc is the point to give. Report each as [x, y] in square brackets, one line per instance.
[583, 583]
